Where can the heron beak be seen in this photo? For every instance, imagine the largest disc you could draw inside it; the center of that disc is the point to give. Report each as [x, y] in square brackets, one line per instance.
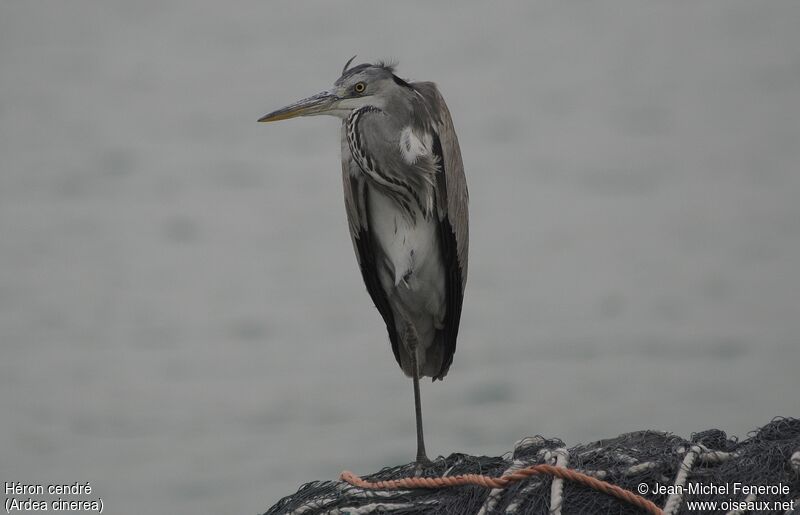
[317, 104]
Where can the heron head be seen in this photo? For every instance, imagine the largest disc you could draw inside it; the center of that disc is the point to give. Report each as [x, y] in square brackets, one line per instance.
[362, 85]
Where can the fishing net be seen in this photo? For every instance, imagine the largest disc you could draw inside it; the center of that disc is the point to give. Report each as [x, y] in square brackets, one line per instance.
[759, 474]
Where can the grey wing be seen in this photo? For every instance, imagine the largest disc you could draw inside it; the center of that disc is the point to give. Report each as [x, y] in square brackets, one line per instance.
[456, 183]
[355, 202]
[452, 201]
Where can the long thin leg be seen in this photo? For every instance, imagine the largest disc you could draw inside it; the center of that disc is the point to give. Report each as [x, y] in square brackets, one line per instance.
[422, 458]
[412, 340]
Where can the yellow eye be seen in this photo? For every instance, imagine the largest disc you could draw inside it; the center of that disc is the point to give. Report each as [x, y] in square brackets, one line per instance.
[360, 87]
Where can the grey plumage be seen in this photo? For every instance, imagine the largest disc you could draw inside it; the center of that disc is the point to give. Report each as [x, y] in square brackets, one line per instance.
[406, 203]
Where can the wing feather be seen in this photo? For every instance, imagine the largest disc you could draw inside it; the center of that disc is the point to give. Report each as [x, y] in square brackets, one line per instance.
[355, 201]
[455, 209]
[452, 201]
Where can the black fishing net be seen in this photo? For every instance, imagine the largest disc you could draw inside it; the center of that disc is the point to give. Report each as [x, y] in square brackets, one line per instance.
[759, 474]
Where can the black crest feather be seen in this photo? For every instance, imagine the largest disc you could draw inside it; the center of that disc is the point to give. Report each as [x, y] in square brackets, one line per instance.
[388, 66]
[347, 64]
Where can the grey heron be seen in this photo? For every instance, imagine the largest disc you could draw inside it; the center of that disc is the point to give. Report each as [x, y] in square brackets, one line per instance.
[406, 199]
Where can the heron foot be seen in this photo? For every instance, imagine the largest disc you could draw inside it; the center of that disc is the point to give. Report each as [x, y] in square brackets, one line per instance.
[421, 465]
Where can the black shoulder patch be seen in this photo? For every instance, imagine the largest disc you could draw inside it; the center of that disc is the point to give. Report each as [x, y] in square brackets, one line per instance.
[400, 82]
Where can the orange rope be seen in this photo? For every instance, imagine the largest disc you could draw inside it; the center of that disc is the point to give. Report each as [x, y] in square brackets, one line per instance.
[504, 481]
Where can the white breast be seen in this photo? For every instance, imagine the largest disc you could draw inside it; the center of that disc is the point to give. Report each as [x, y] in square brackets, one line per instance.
[411, 248]
[411, 271]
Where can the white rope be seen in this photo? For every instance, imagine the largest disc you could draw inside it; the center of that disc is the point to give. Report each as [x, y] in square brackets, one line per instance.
[533, 482]
[709, 456]
[794, 461]
[522, 494]
[621, 456]
[641, 467]
[376, 507]
[315, 505]
[528, 441]
[673, 503]
[363, 493]
[494, 495]
[599, 474]
[561, 457]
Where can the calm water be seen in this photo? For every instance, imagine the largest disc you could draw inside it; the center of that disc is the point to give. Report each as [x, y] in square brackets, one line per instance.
[181, 317]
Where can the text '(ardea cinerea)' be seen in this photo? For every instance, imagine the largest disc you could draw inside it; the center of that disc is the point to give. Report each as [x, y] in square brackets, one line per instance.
[406, 200]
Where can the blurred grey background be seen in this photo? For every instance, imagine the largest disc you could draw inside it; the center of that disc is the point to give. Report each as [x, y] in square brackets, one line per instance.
[182, 320]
